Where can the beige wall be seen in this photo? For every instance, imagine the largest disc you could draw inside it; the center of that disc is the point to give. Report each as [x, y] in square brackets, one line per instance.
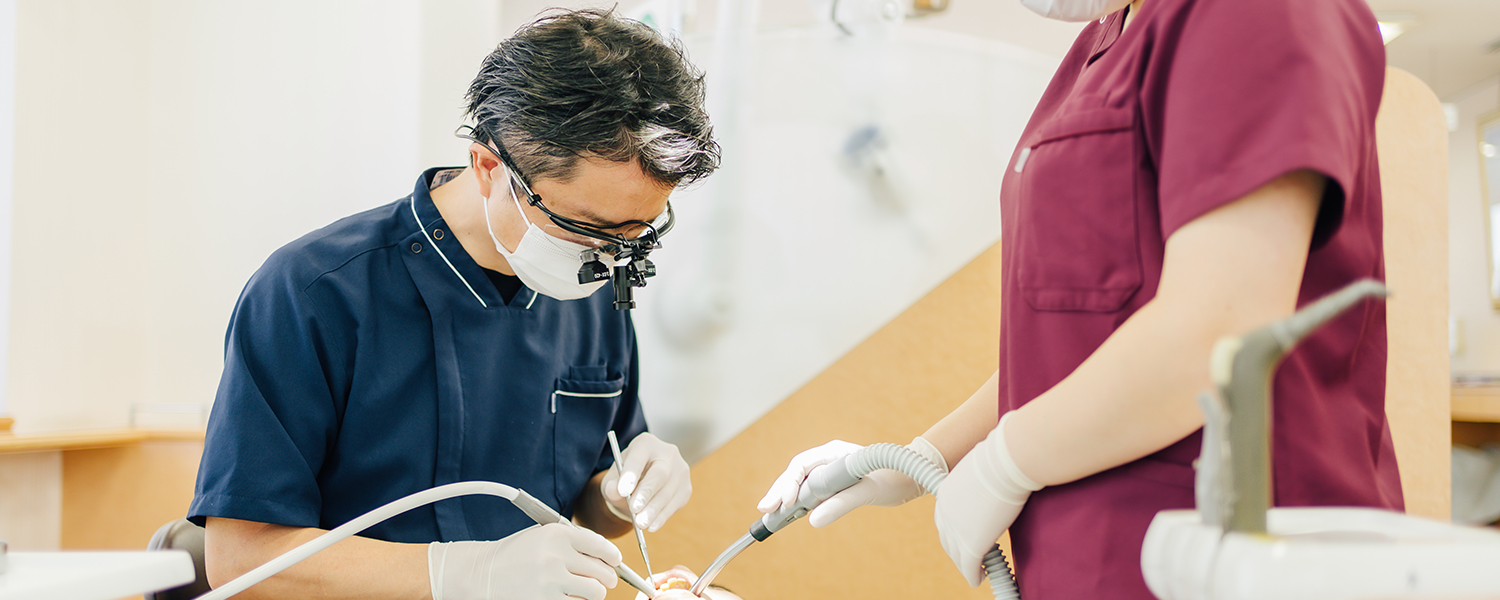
[1478, 324]
[165, 147]
[1005, 20]
[31, 500]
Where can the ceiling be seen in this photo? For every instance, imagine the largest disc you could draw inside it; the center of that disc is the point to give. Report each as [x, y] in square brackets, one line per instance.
[1447, 43]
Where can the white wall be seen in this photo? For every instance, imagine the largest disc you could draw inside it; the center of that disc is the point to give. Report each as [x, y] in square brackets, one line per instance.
[166, 147]
[805, 253]
[7, 175]
[789, 256]
[1478, 322]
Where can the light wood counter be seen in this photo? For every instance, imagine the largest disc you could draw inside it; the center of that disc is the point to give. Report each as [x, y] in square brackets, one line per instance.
[118, 485]
[1476, 403]
[84, 440]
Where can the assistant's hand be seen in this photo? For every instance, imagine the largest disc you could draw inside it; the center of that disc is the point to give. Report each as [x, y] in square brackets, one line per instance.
[550, 562]
[656, 481]
[978, 502]
[883, 487]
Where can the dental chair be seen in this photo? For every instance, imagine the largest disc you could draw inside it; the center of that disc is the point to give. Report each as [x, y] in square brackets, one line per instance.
[181, 535]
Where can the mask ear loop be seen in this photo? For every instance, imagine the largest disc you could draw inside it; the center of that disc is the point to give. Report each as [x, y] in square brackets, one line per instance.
[485, 207]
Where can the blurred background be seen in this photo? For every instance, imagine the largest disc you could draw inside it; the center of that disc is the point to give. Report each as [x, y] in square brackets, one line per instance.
[154, 152]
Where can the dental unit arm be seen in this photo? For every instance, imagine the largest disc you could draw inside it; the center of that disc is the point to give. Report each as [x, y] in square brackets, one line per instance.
[1234, 546]
[536, 509]
[827, 480]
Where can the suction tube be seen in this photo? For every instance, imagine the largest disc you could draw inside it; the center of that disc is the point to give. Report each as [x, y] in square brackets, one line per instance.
[834, 477]
[536, 509]
[929, 476]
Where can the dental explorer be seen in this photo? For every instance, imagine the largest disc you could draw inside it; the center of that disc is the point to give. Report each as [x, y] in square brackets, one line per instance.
[640, 537]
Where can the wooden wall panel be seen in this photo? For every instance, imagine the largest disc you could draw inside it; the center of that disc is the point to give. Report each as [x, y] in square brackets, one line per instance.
[115, 498]
[890, 388]
[1413, 143]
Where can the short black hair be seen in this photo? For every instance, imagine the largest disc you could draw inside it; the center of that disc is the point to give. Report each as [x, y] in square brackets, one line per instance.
[591, 83]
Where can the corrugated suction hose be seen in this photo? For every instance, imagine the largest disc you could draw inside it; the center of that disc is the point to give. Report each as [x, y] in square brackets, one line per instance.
[897, 458]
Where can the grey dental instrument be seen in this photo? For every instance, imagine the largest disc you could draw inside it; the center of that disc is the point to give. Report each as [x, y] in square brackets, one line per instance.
[640, 537]
[825, 481]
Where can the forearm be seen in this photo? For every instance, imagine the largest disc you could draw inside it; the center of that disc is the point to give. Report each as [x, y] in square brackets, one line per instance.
[355, 568]
[590, 510]
[957, 433]
[1134, 396]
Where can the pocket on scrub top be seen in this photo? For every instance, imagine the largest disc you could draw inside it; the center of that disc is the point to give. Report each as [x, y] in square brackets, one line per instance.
[1078, 237]
[583, 407]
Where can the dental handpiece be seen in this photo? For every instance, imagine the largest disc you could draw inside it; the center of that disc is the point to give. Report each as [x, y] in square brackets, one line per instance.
[821, 484]
[543, 514]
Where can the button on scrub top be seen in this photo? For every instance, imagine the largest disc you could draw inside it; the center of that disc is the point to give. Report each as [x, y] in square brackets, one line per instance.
[1195, 105]
[372, 358]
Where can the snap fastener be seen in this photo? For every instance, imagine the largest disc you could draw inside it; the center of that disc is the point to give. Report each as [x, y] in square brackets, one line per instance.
[416, 248]
[437, 234]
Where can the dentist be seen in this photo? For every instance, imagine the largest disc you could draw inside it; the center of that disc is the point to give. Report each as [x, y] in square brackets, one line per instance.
[1196, 168]
[445, 337]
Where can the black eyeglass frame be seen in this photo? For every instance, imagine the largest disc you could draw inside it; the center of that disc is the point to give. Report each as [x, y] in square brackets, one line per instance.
[631, 268]
[619, 245]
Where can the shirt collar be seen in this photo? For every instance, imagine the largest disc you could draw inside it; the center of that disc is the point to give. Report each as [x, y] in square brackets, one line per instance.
[450, 255]
[1110, 29]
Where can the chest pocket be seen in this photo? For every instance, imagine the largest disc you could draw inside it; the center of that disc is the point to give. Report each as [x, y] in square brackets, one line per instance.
[584, 406]
[1077, 229]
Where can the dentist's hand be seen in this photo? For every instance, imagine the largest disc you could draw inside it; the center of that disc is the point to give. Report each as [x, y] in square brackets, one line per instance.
[656, 482]
[978, 501]
[550, 562]
[883, 487]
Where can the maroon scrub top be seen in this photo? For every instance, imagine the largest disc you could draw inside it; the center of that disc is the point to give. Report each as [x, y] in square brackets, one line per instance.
[1197, 104]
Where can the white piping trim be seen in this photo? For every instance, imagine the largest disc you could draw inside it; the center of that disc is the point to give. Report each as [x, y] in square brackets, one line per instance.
[434, 245]
[534, 294]
[556, 393]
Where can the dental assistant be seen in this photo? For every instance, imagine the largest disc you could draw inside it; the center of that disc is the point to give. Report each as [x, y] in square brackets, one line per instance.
[1195, 169]
[445, 337]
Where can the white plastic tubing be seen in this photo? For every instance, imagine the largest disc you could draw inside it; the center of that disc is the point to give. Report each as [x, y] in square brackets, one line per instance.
[927, 475]
[442, 492]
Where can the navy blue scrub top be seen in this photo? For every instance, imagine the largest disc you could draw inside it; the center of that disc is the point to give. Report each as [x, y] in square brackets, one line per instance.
[372, 358]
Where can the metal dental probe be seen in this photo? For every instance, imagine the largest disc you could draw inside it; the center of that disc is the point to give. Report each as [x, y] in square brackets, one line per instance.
[541, 513]
[640, 537]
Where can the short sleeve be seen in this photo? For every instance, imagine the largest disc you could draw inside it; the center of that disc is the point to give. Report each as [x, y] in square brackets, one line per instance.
[630, 420]
[274, 416]
[1240, 93]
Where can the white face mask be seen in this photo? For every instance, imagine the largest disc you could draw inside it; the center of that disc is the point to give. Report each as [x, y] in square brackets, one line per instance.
[1074, 10]
[543, 262]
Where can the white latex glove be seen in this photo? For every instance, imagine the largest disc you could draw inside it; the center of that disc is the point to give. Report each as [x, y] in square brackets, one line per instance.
[883, 487]
[549, 562]
[656, 481]
[978, 502]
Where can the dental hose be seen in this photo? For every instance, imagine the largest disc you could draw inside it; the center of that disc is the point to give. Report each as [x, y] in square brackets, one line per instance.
[897, 458]
[835, 477]
[536, 509]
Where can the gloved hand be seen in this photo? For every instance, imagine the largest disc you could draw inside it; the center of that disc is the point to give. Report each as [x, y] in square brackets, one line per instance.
[978, 502]
[551, 562]
[655, 479]
[883, 487]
